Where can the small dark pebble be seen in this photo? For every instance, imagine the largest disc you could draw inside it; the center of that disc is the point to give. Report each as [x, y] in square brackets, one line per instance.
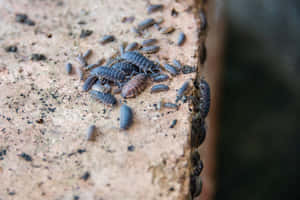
[188, 69]
[85, 33]
[21, 18]
[85, 176]
[38, 57]
[131, 148]
[25, 157]
[11, 48]
[75, 197]
[30, 22]
[171, 189]
[39, 121]
[11, 193]
[80, 151]
[81, 22]
[174, 122]
[174, 13]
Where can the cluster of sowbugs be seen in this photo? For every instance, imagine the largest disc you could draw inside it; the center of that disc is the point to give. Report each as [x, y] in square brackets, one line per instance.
[129, 72]
[201, 105]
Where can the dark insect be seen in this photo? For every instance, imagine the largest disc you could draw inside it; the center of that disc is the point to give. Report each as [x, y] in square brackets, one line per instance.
[109, 73]
[12, 49]
[130, 148]
[182, 90]
[87, 53]
[174, 13]
[90, 136]
[170, 105]
[197, 164]
[136, 31]
[85, 176]
[145, 24]
[181, 39]
[171, 69]
[149, 42]
[159, 88]
[135, 86]
[106, 39]
[202, 52]
[85, 33]
[125, 117]
[79, 73]
[125, 67]
[104, 98]
[167, 30]
[198, 168]
[89, 82]
[160, 78]
[195, 186]
[139, 60]
[188, 69]
[177, 64]
[204, 103]
[154, 7]
[132, 46]
[198, 131]
[24, 19]
[174, 122]
[97, 64]
[150, 49]
[25, 157]
[203, 20]
[38, 57]
[69, 68]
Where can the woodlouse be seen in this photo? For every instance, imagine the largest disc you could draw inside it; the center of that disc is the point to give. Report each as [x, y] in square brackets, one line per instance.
[195, 186]
[79, 73]
[170, 105]
[150, 49]
[171, 69]
[109, 73]
[135, 86]
[89, 82]
[149, 42]
[139, 60]
[69, 68]
[101, 88]
[125, 67]
[202, 52]
[160, 78]
[104, 97]
[174, 122]
[87, 53]
[126, 116]
[154, 7]
[132, 46]
[145, 24]
[181, 39]
[198, 131]
[159, 88]
[204, 103]
[90, 136]
[182, 90]
[167, 30]
[106, 39]
[177, 64]
[203, 20]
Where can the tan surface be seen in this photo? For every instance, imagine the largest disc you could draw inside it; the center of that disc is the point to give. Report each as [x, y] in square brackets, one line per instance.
[160, 159]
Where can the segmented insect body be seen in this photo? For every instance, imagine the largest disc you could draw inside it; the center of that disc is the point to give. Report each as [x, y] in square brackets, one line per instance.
[101, 88]
[174, 122]
[149, 42]
[204, 103]
[89, 82]
[170, 105]
[150, 49]
[160, 78]
[125, 67]
[87, 54]
[135, 86]
[104, 98]
[202, 52]
[195, 186]
[181, 39]
[145, 24]
[182, 90]
[198, 131]
[154, 7]
[79, 73]
[177, 64]
[132, 46]
[90, 136]
[69, 68]
[126, 116]
[109, 73]
[171, 69]
[106, 39]
[203, 21]
[198, 168]
[159, 88]
[139, 60]
[167, 30]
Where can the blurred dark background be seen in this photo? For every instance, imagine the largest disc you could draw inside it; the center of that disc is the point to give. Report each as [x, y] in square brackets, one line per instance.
[260, 140]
